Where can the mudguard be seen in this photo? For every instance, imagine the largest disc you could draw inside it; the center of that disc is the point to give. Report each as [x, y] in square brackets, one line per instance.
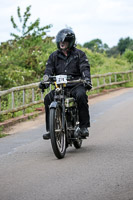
[54, 104]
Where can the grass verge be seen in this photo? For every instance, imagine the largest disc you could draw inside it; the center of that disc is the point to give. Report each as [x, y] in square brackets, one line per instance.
[1, 132]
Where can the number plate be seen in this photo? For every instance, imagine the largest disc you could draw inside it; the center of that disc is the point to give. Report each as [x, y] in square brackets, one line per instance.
[61, 79]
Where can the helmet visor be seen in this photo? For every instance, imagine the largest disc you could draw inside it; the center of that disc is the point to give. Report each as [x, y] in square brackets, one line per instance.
[61, 37]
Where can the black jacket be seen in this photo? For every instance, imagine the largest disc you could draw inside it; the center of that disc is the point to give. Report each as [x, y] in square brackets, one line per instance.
[75, 64]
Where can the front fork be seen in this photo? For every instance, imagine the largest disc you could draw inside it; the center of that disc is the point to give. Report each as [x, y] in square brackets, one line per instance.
[63, 114]
[60, 101]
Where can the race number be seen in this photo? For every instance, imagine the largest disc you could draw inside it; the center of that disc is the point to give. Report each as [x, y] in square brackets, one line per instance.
[61, 79]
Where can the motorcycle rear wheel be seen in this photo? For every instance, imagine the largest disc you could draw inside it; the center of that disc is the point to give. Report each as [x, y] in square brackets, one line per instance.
[58, 136]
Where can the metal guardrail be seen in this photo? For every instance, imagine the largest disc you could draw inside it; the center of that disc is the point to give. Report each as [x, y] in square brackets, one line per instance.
[98, 81]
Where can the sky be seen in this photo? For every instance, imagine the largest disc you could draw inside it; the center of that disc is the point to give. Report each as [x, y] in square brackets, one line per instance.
[108, 20]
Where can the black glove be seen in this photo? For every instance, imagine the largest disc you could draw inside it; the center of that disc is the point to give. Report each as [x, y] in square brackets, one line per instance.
[43, 86]
[87, 84]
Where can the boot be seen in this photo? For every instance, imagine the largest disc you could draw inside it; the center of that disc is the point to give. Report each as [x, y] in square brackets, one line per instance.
[46, 136]
[84, 132]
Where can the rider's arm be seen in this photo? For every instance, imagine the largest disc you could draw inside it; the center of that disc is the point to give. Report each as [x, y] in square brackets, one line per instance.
[48, 71]
[85, 69]
[50, 66]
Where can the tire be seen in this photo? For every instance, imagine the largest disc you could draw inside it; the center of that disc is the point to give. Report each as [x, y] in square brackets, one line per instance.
[58, 137]
[77, 143]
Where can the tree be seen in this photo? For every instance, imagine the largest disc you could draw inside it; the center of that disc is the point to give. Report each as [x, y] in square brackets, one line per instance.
[113, 51]
[96, 45]
[124, 43]
[25, 30]
[129, 55]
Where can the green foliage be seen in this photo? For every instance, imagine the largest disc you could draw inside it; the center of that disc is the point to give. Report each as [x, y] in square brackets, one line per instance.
[96, 45]
[22, 60]
[32, 29]
[101, 63]
[129, 55]
[124, 44]
[3, 135]
[1, 132]
[113, 52]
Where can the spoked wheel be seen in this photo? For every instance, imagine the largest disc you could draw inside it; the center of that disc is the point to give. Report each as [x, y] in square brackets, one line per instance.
[58, 137]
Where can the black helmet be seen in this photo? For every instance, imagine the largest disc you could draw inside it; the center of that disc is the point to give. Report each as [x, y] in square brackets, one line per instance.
[65, 35]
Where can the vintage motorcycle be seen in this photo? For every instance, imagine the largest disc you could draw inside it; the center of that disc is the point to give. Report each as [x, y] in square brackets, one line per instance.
[63, 117]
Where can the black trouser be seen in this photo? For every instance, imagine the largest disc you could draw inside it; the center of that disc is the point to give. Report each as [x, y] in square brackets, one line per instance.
[79, 93]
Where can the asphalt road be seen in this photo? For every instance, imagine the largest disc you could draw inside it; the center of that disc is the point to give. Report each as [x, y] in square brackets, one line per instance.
[101, 170]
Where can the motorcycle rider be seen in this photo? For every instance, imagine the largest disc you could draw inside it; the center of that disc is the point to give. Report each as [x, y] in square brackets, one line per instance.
[68, 60]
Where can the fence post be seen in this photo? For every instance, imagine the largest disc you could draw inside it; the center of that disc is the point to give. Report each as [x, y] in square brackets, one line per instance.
[128, 75]
[104, 82]
[13, 104]
[123, 77]
[98, 83]
[24, 101]
[33, 96]
[110, 79]
[0, 104]
[115, 77]
[12, 99]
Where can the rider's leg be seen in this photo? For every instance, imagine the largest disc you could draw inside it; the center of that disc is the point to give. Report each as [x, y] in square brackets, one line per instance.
[82, 100]
[47, 101]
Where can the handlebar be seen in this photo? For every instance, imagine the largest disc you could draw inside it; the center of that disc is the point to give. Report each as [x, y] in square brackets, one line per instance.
[64, 79]
[52, 79]
[73, 81]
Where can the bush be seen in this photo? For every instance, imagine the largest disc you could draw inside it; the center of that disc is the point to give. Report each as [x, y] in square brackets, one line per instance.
[21, 64]
[129, 55]
[23, 61]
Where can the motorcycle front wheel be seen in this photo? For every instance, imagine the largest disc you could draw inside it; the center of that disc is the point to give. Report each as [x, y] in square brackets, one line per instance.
[58, 136]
